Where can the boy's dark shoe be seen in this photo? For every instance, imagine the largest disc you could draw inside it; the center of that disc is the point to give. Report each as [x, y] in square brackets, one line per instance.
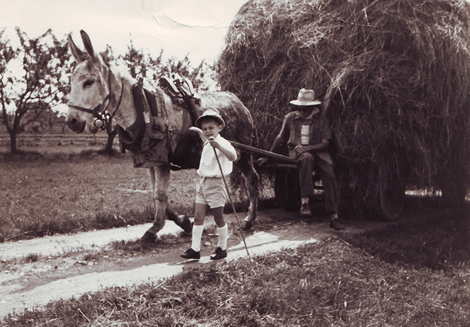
[334, 223]
[219, 254]
[191, 254]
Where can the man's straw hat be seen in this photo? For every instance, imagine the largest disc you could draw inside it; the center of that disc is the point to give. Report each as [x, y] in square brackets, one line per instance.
[305, 98]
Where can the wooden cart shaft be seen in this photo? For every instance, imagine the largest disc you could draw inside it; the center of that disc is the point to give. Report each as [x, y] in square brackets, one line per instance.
[261, 152]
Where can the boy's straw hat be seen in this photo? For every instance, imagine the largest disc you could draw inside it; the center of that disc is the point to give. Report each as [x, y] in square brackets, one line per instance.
[210, 113]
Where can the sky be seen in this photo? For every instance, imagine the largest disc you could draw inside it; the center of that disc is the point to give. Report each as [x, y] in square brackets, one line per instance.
[196, 28]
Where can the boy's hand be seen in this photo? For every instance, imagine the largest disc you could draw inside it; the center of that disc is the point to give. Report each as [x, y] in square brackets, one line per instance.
[231, 155]
[213, 142]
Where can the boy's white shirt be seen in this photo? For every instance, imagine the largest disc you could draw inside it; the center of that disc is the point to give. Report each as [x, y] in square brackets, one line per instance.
[208, 166]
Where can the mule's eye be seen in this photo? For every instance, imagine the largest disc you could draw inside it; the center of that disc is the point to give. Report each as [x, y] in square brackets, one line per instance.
[88, 83]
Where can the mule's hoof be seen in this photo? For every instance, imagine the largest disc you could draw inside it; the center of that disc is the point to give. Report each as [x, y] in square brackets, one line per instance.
[148, 237]
[247, 226]
[187, 225]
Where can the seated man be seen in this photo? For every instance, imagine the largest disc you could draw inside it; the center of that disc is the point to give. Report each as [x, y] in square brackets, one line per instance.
[307, 136]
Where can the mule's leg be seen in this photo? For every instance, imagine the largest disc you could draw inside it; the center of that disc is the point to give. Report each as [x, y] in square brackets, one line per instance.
[251, 178]
[159, 177]
[180, 220]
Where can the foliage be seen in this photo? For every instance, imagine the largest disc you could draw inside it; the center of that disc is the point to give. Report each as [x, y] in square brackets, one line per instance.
[151, 69]
[142, 65]
[33, 78]
[393, 77]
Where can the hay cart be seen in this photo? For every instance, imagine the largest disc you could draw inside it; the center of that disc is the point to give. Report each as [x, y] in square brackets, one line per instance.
[287, 188]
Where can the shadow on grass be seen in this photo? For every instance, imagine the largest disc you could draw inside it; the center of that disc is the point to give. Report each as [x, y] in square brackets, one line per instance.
[428, 236]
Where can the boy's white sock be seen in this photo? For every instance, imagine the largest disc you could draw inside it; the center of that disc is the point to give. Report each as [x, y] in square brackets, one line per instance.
[196, 237]
[223, 236]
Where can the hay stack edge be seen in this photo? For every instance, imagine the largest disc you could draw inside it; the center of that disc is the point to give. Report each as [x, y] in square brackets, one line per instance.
[393, 76]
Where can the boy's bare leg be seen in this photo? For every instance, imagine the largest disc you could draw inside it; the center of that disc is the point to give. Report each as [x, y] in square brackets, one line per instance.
[219, 216]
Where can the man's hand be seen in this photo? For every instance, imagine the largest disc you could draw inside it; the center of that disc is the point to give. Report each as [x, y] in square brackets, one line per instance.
[299, 149]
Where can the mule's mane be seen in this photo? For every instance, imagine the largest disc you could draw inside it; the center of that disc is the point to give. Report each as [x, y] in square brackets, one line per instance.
[120, 70]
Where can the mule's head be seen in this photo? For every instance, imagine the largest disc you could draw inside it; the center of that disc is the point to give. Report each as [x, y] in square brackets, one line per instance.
[89, 85]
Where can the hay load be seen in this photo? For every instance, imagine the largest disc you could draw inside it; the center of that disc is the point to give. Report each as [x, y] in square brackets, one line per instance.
[393, 75]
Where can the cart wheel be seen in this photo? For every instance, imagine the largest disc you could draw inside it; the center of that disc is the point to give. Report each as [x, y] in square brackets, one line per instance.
[287, 189]
[454, 192]
[346, 193]
[392, 199]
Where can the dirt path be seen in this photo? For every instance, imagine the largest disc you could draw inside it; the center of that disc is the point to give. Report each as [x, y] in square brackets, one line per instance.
[71, 265]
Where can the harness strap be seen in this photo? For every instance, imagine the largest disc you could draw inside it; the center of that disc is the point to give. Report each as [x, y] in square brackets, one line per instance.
[93, 111]
[131, 138]
[120, 98]
[188, 100]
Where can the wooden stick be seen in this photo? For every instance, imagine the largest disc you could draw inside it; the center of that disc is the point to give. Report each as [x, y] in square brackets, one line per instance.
[230, 198]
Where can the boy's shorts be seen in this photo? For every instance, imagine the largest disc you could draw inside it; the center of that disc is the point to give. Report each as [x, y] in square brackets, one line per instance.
[211, 191]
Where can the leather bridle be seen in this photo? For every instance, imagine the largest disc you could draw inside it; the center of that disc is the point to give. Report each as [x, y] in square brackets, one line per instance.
[102, 116]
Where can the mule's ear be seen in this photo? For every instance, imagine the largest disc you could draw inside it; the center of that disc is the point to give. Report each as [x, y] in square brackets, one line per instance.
[76, 52]
[107, 55]
[87, 43]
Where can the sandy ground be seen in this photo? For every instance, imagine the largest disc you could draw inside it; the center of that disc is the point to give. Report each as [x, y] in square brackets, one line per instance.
[71, 265]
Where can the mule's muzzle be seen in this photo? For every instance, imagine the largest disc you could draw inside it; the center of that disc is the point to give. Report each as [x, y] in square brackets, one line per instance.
[76, 125]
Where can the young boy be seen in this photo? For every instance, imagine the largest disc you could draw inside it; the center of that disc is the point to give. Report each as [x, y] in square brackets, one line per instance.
[210, 189]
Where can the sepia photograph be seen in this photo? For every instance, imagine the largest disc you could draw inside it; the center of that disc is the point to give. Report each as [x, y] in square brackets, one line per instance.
[235, 163]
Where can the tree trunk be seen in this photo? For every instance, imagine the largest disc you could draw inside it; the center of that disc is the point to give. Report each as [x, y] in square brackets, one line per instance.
[13, 141]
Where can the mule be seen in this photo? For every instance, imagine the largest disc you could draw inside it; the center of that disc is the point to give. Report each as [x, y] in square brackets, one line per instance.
[101, 92]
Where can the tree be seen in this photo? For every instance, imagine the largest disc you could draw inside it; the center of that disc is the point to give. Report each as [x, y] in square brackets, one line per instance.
[48, 121]
[142, 65]
[33, 77]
